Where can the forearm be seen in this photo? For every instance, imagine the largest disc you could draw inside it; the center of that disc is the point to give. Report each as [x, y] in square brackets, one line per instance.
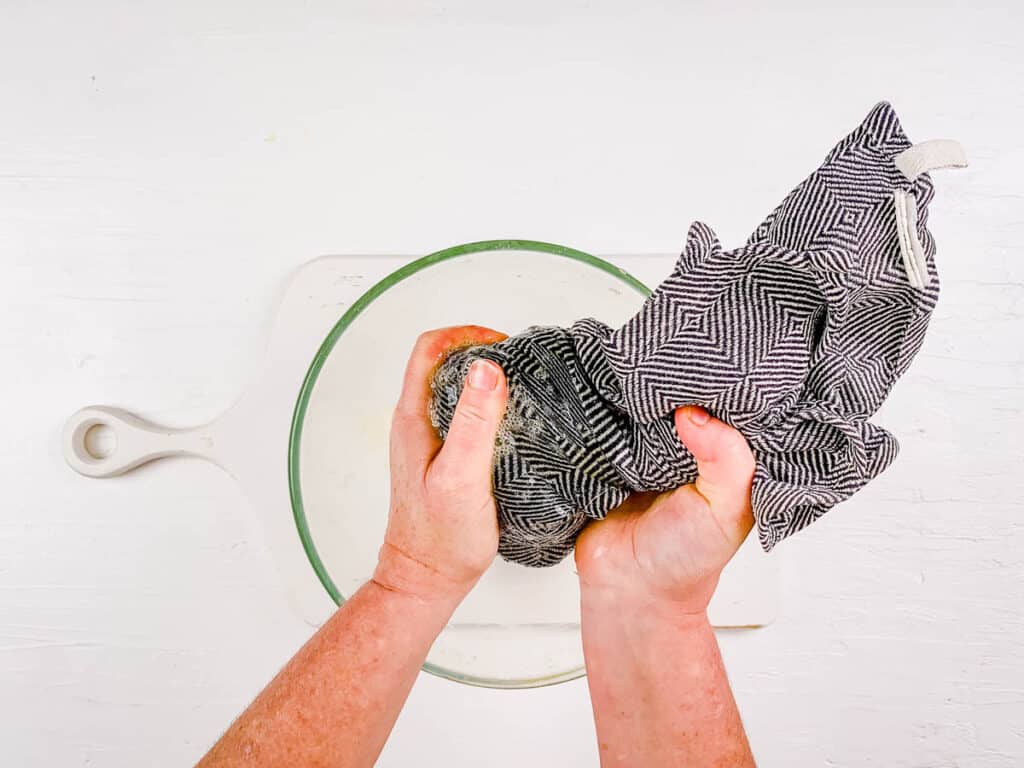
[658, 687]
[338, 698]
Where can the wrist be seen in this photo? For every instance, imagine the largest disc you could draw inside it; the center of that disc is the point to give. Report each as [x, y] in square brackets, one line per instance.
[428, 616]
[403, 574]
[634, 640]
[644, 609]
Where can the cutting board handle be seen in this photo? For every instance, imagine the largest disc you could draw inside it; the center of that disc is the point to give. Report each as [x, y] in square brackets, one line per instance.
[124, 441]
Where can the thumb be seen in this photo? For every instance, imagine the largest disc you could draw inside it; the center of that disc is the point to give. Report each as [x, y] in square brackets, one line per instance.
[725, 465]
[469, 446]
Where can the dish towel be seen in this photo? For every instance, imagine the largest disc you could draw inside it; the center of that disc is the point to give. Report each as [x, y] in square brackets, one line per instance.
[794, 339]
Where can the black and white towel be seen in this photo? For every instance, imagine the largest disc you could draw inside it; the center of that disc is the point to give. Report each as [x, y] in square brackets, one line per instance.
[794, 338]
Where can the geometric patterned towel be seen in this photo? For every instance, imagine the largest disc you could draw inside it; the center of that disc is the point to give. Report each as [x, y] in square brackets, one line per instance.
[795, 339]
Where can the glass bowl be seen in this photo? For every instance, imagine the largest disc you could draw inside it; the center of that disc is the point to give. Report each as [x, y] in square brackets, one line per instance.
[519, 628]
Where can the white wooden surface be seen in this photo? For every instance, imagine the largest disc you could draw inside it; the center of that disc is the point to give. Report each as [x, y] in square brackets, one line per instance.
[164, 167]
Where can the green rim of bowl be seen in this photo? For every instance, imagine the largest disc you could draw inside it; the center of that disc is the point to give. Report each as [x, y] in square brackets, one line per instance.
[308, 384]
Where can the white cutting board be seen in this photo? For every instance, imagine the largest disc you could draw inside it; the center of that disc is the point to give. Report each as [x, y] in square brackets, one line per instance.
[250, 440]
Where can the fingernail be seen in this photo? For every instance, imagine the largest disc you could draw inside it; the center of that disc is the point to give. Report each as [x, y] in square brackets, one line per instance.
[698, 415]
[483, 375]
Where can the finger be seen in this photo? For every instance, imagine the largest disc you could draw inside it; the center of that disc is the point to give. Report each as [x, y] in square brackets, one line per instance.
[469, 446]
[412, 433]
[430, 350]
[725, 465]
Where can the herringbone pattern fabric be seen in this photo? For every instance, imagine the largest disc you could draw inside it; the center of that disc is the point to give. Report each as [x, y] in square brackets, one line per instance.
[795, 339]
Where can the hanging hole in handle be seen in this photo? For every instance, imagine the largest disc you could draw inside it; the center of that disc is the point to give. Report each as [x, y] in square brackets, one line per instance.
[100, 441]
[94, 441]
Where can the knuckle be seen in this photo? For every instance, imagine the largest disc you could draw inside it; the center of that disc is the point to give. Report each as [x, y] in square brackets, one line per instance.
[743, 460]
[735, 444]
[425, 341]
[732, 453]
[470, 416]
[404, 415]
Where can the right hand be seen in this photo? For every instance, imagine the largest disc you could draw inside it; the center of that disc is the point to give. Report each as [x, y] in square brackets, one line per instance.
[668, 549]
[442, 529]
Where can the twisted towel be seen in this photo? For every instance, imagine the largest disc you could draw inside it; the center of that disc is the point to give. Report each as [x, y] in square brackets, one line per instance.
[794, 338]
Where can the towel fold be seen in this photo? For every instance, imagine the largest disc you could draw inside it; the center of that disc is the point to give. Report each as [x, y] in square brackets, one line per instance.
[794, 338]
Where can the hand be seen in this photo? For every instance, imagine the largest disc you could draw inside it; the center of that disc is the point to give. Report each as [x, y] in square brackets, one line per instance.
[668, 549]
[442, 529]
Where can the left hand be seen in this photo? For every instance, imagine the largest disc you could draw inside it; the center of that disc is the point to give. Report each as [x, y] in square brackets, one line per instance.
[667, 550]
[442, 529]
